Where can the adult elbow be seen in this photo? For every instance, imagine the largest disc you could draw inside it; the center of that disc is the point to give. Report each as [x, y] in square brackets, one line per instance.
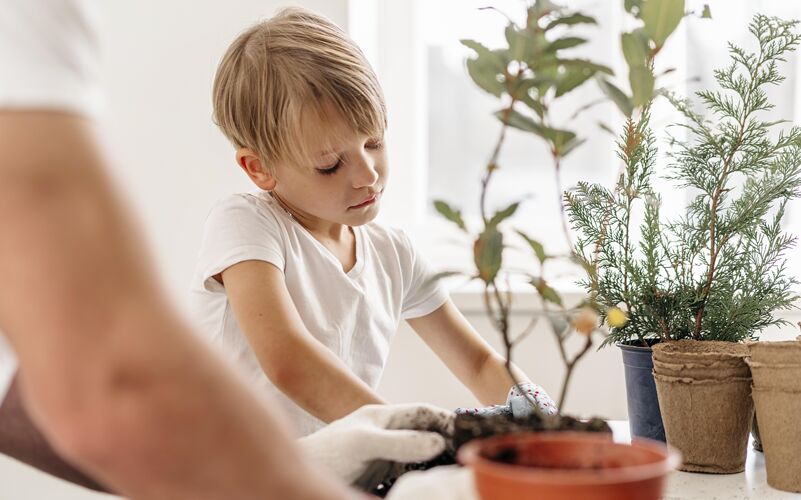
[102, 428]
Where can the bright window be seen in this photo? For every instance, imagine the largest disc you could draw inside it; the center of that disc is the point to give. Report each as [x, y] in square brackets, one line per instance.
[442, 132]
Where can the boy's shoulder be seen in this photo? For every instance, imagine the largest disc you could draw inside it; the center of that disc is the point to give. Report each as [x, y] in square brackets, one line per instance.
[249, 204]
[381, 233]
[240, 214]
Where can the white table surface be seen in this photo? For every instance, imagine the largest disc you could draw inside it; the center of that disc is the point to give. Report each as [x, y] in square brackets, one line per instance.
[749, 484]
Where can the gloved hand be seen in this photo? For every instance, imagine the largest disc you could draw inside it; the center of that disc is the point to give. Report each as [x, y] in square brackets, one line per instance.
[518, 404]
[450, 482]
[396, 433]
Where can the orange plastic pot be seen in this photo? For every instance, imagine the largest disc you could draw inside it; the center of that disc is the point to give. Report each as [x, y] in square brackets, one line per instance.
[568, 466]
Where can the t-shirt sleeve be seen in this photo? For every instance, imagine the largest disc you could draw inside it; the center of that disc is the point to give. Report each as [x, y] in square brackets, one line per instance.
[237, 229]
[49, 56]
[425, 293]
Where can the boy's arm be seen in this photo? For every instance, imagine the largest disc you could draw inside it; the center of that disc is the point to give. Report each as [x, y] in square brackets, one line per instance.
[468, 356]
[111, 375]
[297, 363]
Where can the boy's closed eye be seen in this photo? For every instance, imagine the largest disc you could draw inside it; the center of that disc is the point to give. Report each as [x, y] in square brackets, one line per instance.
[373, 145]
[330, 170]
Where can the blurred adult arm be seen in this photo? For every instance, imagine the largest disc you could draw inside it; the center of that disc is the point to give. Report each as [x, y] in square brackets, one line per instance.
[109, 372]
[21, 440]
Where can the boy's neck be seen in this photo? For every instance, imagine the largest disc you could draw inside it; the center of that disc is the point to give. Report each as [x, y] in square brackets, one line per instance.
[322, 230]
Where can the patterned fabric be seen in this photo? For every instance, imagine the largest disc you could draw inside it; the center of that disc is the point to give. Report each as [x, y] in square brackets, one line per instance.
[517, 403]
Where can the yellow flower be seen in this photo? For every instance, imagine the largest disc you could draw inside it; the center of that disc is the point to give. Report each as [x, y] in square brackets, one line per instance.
[616, 318]
[586, 321]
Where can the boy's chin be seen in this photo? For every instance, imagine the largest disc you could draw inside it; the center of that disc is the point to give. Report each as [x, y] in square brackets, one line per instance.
[362, 218]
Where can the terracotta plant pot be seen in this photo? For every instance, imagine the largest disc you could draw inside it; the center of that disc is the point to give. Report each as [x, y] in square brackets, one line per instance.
[708, 421]
[568, 466]
[781, 436]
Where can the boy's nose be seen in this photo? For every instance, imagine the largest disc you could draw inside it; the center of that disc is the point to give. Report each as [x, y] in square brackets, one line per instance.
[365, 173]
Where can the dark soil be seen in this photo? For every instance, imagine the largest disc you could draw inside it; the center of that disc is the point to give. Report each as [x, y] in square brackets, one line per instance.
[381, 475]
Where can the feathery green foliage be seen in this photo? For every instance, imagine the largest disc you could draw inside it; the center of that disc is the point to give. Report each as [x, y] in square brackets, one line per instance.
[718, 272]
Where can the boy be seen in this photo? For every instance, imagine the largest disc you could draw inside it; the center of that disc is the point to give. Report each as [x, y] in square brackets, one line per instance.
[296, 283]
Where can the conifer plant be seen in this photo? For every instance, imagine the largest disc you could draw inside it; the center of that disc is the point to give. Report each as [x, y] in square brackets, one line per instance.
[718, 272]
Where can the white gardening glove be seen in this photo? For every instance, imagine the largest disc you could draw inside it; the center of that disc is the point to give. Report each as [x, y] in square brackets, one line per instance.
[396, 433]
[450, 482]
[518, 403]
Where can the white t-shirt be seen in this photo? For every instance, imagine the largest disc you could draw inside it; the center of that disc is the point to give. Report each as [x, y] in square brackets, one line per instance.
[48, 60]
[354, 314]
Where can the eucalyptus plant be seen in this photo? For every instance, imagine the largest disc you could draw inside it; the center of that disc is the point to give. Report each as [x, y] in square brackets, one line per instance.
[528, 75]
[718, 271]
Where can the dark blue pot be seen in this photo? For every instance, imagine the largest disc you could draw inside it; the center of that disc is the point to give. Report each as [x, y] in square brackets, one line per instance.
[645, 419]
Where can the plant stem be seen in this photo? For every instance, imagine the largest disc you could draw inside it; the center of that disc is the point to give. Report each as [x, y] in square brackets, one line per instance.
[569, 370]
[557, 159]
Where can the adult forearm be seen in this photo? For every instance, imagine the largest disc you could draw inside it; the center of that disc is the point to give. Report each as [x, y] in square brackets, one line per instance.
[21, 439]
[321, 384]
[111, 375]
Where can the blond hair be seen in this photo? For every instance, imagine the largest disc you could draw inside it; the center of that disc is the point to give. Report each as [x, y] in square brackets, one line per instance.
[295, 62]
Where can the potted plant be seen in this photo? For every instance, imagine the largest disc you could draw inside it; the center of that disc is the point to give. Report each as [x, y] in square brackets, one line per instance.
[528, 76]
[776, 370]
[717, 273]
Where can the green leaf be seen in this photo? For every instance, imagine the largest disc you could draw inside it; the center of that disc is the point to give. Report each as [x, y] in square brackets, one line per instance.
[483, 51]
[707, 12]
[629, 5]
[565, 43]
[571, 145]
[571, 79]
[535, 245]
[518, 120]
[522, 46]
[449, 213]
[634, 49]
[545, 290]
[661, 18]
[585, 64]
[563, 140]
[642, 85]
[606, 128]
[616, 95]
[522, 94]
[540, 8]
[487, 68]
[504, 214]
[577, 18]
[487, 252]
[555, 136]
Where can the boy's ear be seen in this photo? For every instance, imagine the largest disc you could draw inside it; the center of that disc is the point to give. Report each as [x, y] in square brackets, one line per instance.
[252, 165]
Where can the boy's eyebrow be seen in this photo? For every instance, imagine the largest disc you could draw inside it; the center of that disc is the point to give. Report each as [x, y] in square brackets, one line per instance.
[322, 155]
